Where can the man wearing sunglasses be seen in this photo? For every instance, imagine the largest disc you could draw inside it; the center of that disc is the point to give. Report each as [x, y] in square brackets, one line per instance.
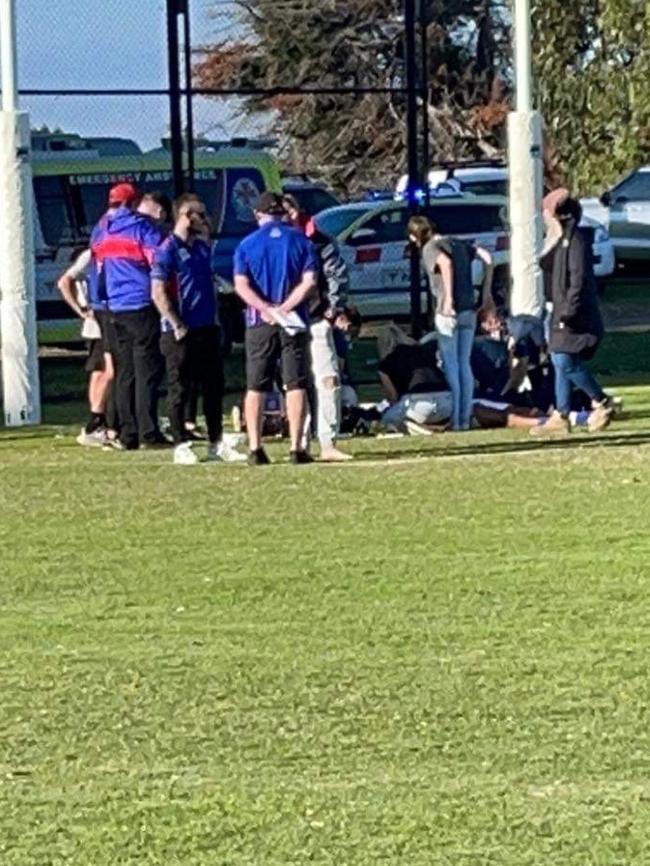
[184, 293]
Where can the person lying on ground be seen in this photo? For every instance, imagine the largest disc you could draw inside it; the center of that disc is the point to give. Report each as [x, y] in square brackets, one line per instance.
[415, 386]
[491, 414]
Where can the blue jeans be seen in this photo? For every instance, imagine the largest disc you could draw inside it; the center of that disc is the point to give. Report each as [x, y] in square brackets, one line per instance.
[570, 370]
[429, 408]
[456, 351]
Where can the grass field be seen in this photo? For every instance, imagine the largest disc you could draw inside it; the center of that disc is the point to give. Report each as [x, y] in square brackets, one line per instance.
[437, 656]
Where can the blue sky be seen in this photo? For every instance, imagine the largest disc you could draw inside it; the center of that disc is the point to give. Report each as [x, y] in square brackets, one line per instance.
[109, 43]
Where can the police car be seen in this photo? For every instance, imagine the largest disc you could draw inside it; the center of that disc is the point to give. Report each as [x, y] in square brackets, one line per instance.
[373, 240]
[490, 177]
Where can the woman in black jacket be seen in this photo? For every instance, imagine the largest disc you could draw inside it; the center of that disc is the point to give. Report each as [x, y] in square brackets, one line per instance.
[576, 323]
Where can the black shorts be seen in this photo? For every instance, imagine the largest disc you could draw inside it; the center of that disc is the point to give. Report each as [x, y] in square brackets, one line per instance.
[105, 345]
[268, 344]
[491, 417]
[95, 362]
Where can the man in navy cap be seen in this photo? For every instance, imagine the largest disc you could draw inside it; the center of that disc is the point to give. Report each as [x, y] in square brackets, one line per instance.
[276, 271]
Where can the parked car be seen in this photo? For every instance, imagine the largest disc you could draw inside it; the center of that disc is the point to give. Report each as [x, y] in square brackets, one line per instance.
[603, 248]
[625, 209]
[313, 197]
[373, 241]
[492, 179]
[479, 178]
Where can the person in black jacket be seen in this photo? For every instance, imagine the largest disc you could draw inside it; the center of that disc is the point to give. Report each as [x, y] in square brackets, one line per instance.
[576, 324]
[326, 303]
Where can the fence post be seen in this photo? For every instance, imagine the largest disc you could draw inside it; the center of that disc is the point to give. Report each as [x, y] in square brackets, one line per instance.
[426, 158]
[410, 34]
[189, 93]
[175, 123]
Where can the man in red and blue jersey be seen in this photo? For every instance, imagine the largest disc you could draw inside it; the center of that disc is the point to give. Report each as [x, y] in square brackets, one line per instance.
[185, 295]
[123, 247]
[276, 269]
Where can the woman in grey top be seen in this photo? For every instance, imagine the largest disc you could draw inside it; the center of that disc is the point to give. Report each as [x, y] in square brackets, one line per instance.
[455, 307]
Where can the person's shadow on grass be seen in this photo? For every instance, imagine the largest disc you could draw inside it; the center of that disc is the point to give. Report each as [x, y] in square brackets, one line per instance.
[577, 440]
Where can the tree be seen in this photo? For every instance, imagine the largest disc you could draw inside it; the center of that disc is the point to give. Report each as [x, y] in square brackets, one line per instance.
[591, 63]
[356, 141]
[592, 66]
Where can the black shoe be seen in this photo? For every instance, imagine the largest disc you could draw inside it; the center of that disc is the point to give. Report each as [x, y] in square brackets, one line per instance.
[156, 443]
[258, 458]
[118, 445]
[300, 458]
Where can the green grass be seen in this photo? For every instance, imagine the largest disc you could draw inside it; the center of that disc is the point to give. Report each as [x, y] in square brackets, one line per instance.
[437, 656]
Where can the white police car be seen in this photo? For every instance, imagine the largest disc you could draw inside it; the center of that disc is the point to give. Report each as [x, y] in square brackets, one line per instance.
[490, 178]
[373, 240]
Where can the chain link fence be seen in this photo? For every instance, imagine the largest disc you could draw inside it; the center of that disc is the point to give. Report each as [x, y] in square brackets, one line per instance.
[334, 110]
[228, 97]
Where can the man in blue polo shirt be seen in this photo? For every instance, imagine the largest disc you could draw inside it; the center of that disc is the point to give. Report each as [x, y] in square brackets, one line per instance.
[275, 275]
[184, 293]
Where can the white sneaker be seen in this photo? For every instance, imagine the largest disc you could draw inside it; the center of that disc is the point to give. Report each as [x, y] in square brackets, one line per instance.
[416, 429]
[233, 439]
[222, 452]
[184, 455]
[96, 439]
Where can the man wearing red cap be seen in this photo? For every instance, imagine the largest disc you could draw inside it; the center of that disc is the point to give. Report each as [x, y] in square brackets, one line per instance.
[123, 194]
[124, 244]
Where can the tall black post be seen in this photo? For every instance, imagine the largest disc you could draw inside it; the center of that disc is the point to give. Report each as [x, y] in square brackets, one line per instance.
[410, 40]
[426, 158]
[175, 123]
[189, 108]
[424, 95]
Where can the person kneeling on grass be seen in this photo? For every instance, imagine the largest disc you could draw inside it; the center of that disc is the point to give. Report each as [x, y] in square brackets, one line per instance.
[190, 339]
[415, 386]
[420, 398]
